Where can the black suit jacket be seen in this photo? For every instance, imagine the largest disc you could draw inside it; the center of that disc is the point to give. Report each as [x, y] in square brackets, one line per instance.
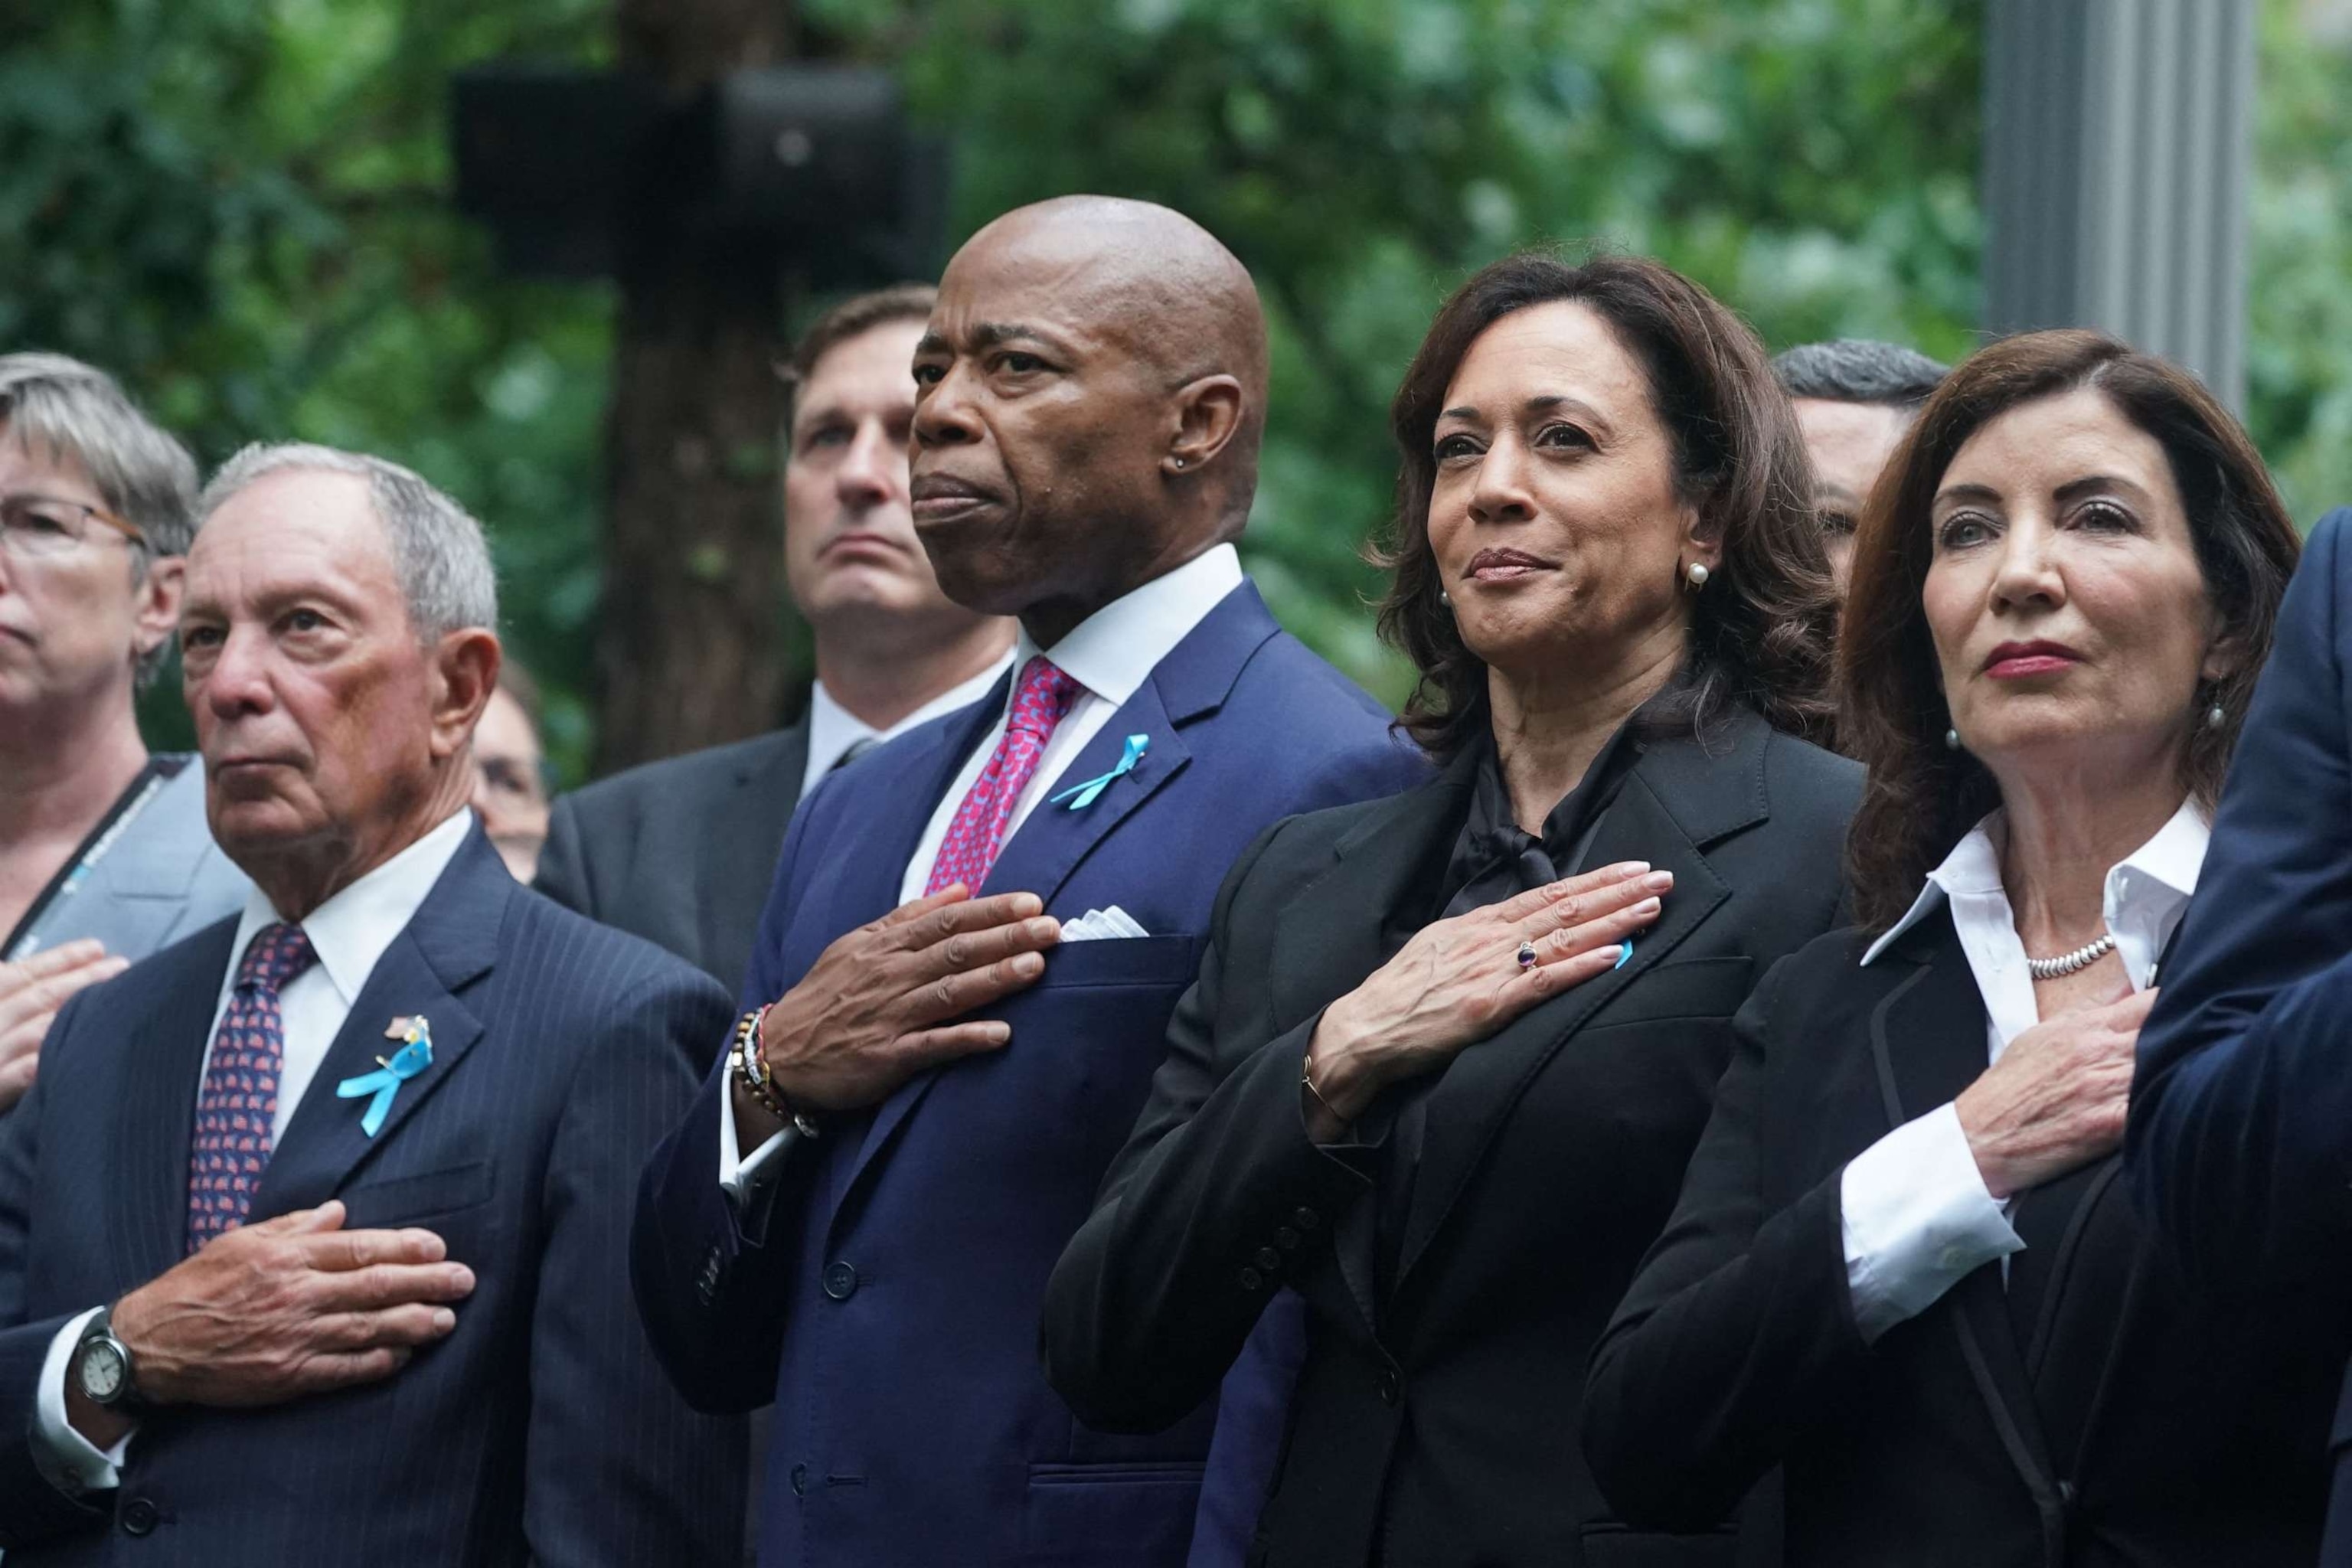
[2090, 1411]
[540, 1429]
[681, 851]
[1435, 1423]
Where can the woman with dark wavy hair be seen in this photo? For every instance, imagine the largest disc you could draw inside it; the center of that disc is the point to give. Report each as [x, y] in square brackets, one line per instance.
[1449, 1051]
[1901, 1268]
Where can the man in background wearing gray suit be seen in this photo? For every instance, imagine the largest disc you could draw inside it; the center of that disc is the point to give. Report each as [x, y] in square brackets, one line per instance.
[681, 851]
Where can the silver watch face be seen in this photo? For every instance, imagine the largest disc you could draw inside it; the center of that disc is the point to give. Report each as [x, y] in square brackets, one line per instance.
[101, 1370]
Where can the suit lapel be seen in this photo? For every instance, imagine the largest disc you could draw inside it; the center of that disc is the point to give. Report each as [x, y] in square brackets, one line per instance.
[1187, 685]
[738, 851]
[155, 1117]
[1484, 1084]
[1938, 1018]
[1366, 907]
[451, 943]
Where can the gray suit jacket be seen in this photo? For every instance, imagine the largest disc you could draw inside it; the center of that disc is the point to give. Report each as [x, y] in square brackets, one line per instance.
[163, 880]
[681, 851]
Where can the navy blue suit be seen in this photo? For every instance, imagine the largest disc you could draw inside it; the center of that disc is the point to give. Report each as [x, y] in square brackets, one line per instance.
[888, 1298]
[540, 1429]
[2240, 1141]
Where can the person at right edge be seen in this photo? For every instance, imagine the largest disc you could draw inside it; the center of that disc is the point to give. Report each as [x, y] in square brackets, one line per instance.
[1912, 1280]
[1449, 1052]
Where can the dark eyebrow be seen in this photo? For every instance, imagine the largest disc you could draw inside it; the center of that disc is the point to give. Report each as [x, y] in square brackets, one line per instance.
[1970, 492]
[1542, 403]
[2090, 484]
[992, 335]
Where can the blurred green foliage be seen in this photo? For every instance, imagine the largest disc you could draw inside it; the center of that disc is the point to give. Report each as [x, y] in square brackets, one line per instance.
[242, 206]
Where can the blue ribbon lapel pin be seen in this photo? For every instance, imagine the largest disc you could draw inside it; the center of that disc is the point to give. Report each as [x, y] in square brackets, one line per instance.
[1082, 795]
[415, 1053]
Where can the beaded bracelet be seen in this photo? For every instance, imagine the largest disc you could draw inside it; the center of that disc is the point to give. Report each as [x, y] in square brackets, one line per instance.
[751, 1071]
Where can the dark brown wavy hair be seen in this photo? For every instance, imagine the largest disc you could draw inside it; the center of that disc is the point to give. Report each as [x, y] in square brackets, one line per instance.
[1760, 631]
[1922, 796]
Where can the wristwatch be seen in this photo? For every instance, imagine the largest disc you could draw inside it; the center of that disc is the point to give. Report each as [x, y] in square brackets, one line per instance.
[103, 1369]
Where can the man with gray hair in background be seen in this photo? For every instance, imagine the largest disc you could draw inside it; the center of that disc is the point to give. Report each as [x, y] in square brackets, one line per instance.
[104, 856]
[313, 1227]
[1854, 398]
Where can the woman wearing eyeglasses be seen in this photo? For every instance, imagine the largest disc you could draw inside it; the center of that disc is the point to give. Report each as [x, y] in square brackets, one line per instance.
[104, 854]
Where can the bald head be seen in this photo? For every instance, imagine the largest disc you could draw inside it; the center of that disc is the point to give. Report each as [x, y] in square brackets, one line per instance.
[1091, 399]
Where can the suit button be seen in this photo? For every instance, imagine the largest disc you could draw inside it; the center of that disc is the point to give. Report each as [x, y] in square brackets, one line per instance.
[139, 1516]
[800, 1480]
[1305, 1219]
[1252, 1280]
[1287, 1239]
[1267, 1257]
[840, 1281]
[1391, 1388]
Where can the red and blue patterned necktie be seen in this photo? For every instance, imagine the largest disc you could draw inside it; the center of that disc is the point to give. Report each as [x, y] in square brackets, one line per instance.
[977, 832]
[239, 1099]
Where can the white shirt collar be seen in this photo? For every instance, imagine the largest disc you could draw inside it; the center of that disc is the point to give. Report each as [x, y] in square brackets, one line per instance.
[833, 728]
[350, 930]
[1113, 651]
[2160, 872]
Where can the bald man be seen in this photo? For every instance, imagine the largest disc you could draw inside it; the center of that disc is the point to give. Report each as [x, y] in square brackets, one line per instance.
[978, 931]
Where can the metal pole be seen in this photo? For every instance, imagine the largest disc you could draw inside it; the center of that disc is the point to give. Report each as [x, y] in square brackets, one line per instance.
[2119, 153]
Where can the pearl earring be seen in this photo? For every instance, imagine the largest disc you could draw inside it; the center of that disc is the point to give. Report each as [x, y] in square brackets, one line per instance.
[1951, 740]
[1696, 574]
[1176, 462]
[1445, 599]
[2215, 718]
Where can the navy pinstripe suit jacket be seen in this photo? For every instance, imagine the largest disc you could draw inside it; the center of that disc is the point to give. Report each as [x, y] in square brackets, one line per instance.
[540, 1429]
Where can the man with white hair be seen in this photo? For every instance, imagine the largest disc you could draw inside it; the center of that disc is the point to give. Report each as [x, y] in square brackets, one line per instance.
[313, 1227]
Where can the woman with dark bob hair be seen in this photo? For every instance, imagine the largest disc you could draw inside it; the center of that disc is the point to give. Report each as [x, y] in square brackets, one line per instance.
[1901, 1268]
[1449, 1051]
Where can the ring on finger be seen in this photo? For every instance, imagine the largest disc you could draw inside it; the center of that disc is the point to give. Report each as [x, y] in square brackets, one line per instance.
[1526, 955]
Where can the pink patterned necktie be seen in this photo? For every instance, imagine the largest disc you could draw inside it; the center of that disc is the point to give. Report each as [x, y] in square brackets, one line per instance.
[977, 833]
[239, 1097]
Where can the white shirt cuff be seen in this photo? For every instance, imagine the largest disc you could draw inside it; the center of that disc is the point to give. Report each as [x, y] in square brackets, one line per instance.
[70, 1452]
[742, 1176]
[1918, 1220]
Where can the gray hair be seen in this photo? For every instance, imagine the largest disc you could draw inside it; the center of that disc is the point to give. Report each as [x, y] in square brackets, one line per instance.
[65, 410]
[1858, 370]
[438, 550]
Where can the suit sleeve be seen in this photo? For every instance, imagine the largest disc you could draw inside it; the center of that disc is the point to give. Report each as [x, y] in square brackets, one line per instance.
[1739, 1326]
[563, 860]
[36, 1501]
[710, 1276]
[2239, 1146]
[1155, 1297]
[670, 1488]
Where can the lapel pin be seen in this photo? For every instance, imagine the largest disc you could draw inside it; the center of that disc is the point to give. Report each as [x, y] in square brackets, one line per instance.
[415, 1055]
[1082, 795]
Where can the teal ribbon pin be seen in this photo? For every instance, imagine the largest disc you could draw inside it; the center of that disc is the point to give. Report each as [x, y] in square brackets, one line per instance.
[1089, 792]
[414, 1056]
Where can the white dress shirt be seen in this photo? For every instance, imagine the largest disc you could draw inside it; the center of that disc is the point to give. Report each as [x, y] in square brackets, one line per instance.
[348, 932]
[833, 729]
[1110, 654]
[1917, 1215]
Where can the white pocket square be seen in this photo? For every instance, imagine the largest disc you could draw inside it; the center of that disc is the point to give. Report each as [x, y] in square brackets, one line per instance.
[1101, 925]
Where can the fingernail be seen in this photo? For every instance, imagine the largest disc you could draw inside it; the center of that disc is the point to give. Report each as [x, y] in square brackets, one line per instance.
[444, 1319]
[1661, 880]
[1631, 869]
[1028, 963]
[461, 1279]
[1029, 904]
[1043, 930]
[999, 1033]
[1646, 906]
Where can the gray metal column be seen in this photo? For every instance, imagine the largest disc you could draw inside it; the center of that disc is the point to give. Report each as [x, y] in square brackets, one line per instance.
[2119, 153]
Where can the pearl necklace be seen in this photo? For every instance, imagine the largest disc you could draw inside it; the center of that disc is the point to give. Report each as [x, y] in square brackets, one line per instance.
[2065, 963]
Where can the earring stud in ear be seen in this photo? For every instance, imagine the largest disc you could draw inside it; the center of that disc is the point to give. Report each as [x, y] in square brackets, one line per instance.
[2215, 717]
[1696, 574]
[1176, 462]
[1951, 740]
[1445, 599]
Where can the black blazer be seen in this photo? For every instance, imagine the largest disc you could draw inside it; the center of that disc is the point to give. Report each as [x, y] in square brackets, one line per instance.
[541, 1430]
[1436, 1424]
[2089, 1411]
[681, 851]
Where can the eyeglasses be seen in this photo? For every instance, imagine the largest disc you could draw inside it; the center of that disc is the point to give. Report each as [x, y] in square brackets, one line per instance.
[38, 527]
